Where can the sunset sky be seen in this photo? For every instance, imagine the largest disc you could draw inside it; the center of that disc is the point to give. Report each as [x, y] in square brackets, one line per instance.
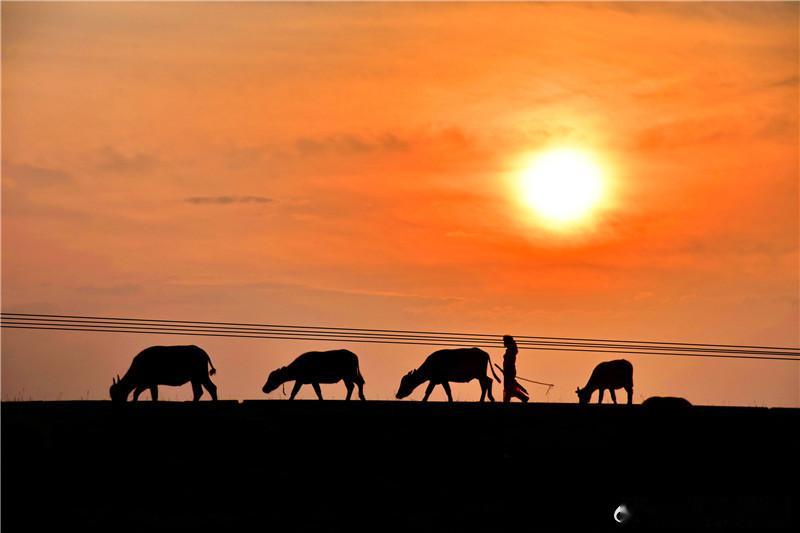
[360, 165]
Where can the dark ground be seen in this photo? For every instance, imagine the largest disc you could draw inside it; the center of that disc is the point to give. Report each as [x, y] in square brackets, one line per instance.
[394, 466]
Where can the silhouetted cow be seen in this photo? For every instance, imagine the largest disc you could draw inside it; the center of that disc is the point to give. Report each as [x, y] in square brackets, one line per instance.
[459, 365]
[608, 375]
[666, 402]
[319, 367]
[165, 365]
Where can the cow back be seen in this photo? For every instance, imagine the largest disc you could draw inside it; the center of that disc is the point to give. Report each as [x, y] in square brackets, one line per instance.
[325, 366]
[612, 374]
[457, 364]
[168, 365]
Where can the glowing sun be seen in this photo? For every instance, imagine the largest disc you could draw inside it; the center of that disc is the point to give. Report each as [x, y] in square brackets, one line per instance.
[562, 186]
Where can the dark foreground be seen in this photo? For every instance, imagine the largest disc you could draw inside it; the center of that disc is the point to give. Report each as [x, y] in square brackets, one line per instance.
[394, 466]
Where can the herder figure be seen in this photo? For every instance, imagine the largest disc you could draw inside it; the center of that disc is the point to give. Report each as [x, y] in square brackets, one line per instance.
[511, 388]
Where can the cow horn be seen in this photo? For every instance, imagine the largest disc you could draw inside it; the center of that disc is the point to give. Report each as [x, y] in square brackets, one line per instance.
[117, 378]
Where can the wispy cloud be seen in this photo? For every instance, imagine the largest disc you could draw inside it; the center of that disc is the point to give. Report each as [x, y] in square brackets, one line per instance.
[114, 160]
[790, 81]
[34, 175]
[121, 289]
[227, 200]
[349, 144]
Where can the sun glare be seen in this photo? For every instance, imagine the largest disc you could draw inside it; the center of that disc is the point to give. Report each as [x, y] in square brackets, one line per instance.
[562, 186]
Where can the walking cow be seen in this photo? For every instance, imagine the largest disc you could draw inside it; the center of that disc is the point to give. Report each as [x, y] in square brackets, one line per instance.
[608, 375]
[165, 365]
[460, 365]
[319, 367]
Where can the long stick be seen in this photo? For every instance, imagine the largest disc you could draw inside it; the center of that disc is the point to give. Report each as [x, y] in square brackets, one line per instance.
[537, 382]
[549, 385]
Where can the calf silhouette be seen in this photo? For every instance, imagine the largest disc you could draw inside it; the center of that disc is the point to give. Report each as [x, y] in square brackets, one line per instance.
[165, 365]
[443, 366]
[319, 367]
[609, 375]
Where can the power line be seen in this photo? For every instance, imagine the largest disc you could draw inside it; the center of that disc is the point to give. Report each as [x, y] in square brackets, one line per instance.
[443, 333]
[362, 335]
[378, 341]
[353, 334]
[470, 338]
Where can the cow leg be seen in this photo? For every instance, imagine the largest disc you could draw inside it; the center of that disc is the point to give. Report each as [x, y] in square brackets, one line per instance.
[211, 388]
[428, 391]
[137, 392]
[295, 389]
[349, 385]
[629, 390]
[197, 391]
[360, 384]
[600, 393]
[446, 387]
[486, 388]
[317, 390]
[613, 395]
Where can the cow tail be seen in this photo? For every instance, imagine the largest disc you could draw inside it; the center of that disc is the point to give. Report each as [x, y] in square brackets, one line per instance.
[358, 371]
[497, 379]
[213, 370]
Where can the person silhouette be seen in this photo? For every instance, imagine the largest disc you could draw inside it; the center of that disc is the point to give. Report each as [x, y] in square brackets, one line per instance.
[511, 387]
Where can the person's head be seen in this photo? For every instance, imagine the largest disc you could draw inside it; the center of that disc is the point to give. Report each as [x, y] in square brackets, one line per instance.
[509, 342]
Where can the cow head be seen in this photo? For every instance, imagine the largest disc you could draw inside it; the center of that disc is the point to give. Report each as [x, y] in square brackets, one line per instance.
[407, 385]
[118, 393]
[584, 394]
[275, 379]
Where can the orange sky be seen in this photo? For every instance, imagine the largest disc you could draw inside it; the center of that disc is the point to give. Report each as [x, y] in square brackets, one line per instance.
[355, 165]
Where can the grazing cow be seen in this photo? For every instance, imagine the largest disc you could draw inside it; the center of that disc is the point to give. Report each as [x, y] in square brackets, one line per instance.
[608, 375]
[165, 365]
[666, 402]
[443, 366]
[319, 367]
